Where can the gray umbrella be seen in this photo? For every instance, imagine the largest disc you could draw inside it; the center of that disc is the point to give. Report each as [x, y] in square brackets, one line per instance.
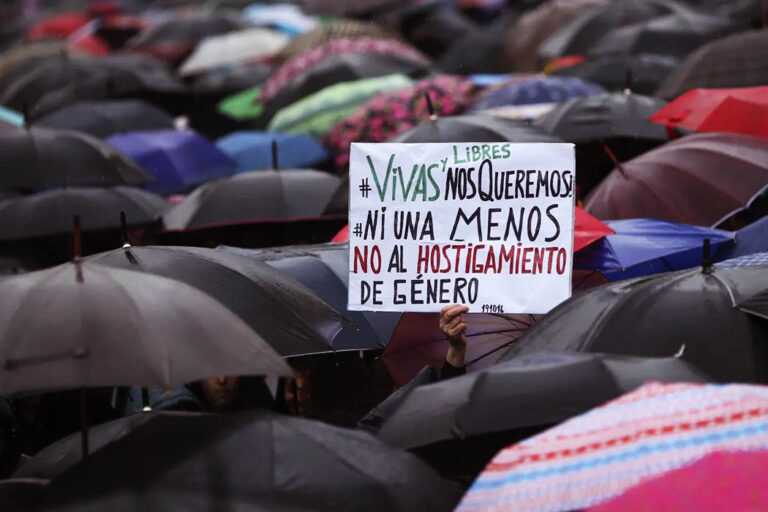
[86, 325]
[473, 128]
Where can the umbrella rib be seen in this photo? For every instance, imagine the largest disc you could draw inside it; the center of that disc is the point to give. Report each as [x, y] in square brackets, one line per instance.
[728, 289]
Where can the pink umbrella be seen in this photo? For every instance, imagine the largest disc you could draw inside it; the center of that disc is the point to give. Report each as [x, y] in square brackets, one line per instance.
[732, 481]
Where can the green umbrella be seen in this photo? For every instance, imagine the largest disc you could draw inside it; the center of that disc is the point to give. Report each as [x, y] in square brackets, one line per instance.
[242, 106]
[319, 112]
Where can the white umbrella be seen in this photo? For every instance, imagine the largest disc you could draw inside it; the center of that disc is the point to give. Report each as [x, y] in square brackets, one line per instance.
[233, 48]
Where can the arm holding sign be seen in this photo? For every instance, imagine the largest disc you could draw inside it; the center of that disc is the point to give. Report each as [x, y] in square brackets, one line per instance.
[453, 325]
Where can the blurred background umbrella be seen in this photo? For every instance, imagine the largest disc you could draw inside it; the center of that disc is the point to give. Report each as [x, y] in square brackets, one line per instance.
[178, 159]
[656, 428]
[266, 196]
[700, 179]
[40, 157]
[473, 128]
[275, 462]
[109, 117]
[287, 18]
[333, 29]
[641, 73]
[734, 61]
[284, 313]
[534, 91]
[252, 150]
[641, 247]
[688, 314]
[226, 81]
[604, 127]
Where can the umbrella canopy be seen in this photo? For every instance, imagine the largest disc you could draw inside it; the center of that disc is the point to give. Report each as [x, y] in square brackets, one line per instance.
[351, 8]
[242, 106]
[641, 73]
[750, 239]
[700, 179]
[748, 260]
[676, 34]
[334, 29]
[287, 18]
[578, 36]
[178, 159]
[479, 50]
[272, 463]
[291, 318]
[105, 118]
[618, 121]
[535, 390]
[473, 128]
[689, 314]
[324, 270]
[258, 196]
[388, 114]
[600, 454]
[174, 39]
[640, 247]
[536, 90]
[718, 110]
[86, 325]
[252, 150]
[319, 112]
[536, 25]
[226, 81]
[40, 157]
[16, 61]
[51, 212]
[233, 48]
[734, 61]
[719, 481]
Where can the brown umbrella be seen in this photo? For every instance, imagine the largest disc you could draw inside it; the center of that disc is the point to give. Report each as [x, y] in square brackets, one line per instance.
[700, 179]
[735, 61]
[535, 26]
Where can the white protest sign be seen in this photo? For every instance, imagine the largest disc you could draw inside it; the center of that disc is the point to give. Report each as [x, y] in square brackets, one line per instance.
[486, 225]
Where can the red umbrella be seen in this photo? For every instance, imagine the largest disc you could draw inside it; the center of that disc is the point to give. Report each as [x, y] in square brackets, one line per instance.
[732, 481]
[701, 179]
[742, 110]
[342, 235]
[59, 26]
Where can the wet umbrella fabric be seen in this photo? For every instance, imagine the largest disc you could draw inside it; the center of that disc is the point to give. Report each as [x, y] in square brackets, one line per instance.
[688, 313]
[284, 313]
[273, 463]
[534, 390]
[536, 90]
[602, 453]
[50, 212]
[40, 157]
[641, 247]
[473, 128]
[179, 160]
[252, 150]
[700, 179]
[734, 61]
[104, 118]
[258, 196]
[718, 110]
[750, 239]
[223, 82]
[642, 73]
[336, 29]
[86, 325]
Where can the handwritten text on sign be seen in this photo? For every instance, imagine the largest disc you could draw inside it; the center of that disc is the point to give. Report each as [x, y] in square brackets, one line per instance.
[486, 225]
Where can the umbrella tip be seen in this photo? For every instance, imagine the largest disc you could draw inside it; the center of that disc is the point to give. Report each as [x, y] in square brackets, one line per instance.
[430, 106]
[274, 155]
[124, 230]
[706, 257]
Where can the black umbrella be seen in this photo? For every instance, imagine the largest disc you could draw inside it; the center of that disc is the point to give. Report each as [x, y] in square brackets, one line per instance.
[640, 73]
[104, 118]
[50, 212]
[286, 314]
[249, 462]
[690, 314]
[479, 50]
[735, 61]
[324, 270]
[578, 36]
[40, 157]
[256, 196]
[473, 128]
[230, 80]
[605, 128]
[86, 325]
[22, 494]
[675, 34]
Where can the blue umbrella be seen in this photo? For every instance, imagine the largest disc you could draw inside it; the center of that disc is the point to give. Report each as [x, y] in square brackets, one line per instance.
[641, 247]
[748, 260]
[551, 89]
[178, 159]
[288, 19]
[750, 239]
[252, 150]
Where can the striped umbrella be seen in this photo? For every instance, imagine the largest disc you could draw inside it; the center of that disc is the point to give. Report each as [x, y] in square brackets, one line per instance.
[598, 455]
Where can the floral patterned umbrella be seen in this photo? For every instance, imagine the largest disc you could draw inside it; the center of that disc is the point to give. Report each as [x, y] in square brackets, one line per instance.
[390, 113]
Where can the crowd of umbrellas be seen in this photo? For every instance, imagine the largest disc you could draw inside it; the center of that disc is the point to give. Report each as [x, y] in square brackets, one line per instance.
[173, 210]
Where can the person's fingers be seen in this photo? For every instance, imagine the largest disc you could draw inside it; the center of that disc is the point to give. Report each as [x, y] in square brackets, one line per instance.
[453, 323]
[450, 312]
[457, 331]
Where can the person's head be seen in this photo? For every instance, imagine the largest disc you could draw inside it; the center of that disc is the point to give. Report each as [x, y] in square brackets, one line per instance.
[219, 392]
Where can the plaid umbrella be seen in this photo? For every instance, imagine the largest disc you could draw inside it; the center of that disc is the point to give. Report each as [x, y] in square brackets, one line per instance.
[536, 90]
[390, 113]
[598, 455]
[335, 30]
[735, 61]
